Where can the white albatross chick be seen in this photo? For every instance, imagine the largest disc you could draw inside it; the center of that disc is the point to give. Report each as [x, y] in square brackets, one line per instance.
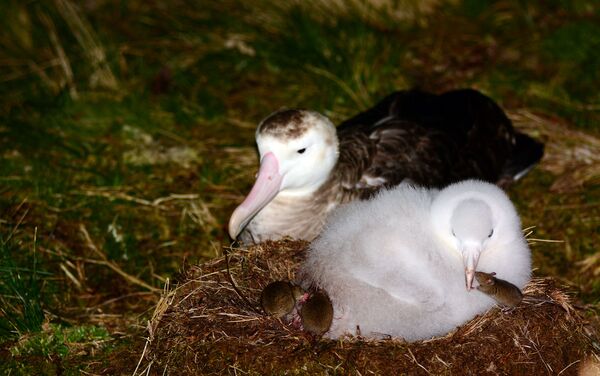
[396, 265]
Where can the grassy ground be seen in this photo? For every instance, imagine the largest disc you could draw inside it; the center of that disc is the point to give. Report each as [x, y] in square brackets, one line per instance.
[126, 137]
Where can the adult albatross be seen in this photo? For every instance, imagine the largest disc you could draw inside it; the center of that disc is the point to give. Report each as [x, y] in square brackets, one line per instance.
[308, 166]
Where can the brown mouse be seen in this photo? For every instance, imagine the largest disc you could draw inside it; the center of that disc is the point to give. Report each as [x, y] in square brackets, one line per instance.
[502, 291]
[317, 313]
[279, 298]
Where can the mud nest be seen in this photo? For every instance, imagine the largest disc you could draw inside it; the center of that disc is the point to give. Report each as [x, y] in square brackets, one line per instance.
[205, 326]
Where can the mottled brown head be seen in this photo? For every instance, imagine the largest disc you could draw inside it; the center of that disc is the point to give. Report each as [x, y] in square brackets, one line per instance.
[298, 151]
[285, 124]
[305, 145]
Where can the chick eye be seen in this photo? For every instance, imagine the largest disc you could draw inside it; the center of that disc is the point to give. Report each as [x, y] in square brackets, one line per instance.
[453, 234]
[491, 233]
[301, 151]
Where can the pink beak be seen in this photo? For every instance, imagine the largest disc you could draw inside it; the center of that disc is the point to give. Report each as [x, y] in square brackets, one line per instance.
[266, 187]
[470, 260]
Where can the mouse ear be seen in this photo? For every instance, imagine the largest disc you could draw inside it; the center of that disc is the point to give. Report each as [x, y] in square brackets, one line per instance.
[493, 273]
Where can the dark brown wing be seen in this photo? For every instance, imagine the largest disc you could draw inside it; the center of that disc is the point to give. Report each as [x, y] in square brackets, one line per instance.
[432, 140]
[462, 114]
[395, 151]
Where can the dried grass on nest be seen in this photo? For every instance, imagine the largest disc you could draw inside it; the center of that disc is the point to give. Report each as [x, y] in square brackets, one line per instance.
[204, 326]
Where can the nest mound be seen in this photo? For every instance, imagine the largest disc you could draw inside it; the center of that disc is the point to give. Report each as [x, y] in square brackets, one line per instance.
[206, 325]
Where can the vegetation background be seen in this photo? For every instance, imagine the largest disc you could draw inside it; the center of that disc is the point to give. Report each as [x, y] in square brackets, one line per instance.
[127, 138]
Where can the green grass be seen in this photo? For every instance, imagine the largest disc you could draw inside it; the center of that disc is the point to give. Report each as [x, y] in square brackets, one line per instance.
[150, 165]
[20, 293]
[58, 340]
[53, 347]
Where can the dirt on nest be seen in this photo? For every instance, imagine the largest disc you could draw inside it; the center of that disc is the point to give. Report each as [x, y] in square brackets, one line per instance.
[206, 326]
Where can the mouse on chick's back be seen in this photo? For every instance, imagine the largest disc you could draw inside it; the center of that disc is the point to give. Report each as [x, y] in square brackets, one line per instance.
[317, 314]
[502, 291]
[279, 298]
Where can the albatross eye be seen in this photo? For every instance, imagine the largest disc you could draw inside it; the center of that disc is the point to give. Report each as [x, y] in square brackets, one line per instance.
[453, 234]
[301, 151]
[491, 233]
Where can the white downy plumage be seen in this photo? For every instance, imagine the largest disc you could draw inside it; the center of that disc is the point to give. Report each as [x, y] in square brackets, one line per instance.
[401, 264]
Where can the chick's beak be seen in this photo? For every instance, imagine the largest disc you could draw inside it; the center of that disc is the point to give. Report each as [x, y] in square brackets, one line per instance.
[266, 187]
[470, 259]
